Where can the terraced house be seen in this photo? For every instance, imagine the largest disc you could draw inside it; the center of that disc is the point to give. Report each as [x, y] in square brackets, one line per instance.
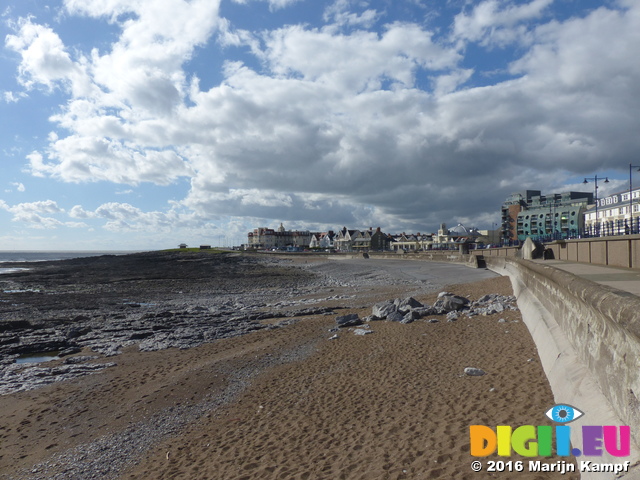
[366, 240]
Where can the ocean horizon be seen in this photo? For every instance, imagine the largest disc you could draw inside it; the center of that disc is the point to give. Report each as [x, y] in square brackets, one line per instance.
[9, 256]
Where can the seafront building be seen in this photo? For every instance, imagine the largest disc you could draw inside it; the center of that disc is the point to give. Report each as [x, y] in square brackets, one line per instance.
[544, 217]
[370, 240]
[525, 214]
[410, 242]
[322, 240]
[616, 214]
[267, 238]
[361, 240]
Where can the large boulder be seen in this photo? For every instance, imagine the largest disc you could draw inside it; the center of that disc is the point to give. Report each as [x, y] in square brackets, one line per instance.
[349, 320]
[407, 304]
[450, 302]
[383, 309]
[395, 317]
[424, 311]
[409, 317]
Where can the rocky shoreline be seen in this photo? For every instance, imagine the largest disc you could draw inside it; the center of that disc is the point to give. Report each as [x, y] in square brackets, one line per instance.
[154, 300]
[87, 310]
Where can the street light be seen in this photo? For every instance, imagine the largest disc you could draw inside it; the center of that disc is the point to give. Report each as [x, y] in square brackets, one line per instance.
[631, 195]
[595, 179]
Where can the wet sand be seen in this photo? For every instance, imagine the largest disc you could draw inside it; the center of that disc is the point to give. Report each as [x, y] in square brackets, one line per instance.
[290, 403]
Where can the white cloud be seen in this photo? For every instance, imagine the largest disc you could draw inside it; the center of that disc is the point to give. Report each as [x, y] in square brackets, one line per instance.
[44, 59]
[81, 158]
[339, 14]
[32, 213]
[334, 127]
[497, 21]
[78, 212]
[13, 97]
[359, 61]
[273, 4]
[445, 84]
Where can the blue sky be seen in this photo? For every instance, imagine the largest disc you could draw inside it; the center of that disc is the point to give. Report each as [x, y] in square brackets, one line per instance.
[140, 124]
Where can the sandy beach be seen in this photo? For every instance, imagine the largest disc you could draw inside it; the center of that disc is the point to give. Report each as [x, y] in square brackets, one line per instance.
[291, 403]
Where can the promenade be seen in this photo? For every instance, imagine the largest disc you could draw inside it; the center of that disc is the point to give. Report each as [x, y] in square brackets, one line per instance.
[624, 279]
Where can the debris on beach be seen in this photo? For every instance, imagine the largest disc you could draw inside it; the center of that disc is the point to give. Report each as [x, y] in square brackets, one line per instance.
[407, 310]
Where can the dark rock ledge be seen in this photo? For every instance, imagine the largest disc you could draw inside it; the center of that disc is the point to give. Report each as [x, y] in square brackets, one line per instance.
[153, 300]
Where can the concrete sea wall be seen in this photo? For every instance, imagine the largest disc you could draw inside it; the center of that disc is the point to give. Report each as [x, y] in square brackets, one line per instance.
[588, 338]
[621, 251]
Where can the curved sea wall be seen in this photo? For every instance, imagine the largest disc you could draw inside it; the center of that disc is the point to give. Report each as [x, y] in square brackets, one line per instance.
[588, 338]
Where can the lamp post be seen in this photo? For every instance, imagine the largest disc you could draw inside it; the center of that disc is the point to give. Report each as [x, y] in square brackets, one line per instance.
[631, 167]
[595, 179]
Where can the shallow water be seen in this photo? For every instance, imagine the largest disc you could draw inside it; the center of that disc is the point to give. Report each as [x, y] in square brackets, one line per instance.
[38, 357]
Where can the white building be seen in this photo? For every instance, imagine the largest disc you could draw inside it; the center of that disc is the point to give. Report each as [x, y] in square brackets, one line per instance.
[322, 240]
[617, 214]
[267, 238]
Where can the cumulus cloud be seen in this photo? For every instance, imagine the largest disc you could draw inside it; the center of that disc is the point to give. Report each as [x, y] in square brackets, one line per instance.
[44, 58]
[334, 125]
[13, 97]
[35, 214]
[339, 14]
[273, 4]
[497, 22]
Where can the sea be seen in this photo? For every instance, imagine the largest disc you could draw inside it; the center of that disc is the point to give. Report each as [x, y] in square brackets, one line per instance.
[44, 255]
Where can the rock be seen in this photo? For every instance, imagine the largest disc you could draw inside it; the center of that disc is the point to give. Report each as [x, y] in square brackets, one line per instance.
[448, 303]
[409, 317]
[75, 332]
[382, 310]
[79, 359]
[474, 372]
[17, 378]
[406, 304]
[69, 351]
[486, 298]
[349, 320]
[395, 317]
[334, 337]
[424, 311]
[433, 320]
[452, 316]
[362, 331]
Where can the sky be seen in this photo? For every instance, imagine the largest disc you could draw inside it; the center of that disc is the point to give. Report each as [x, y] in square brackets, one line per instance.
[142, 124]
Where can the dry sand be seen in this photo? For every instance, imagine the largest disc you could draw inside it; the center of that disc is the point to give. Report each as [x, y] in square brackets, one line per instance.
[291, 404]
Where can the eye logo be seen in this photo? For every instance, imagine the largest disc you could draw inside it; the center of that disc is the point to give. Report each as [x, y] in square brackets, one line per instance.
[563, 413]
